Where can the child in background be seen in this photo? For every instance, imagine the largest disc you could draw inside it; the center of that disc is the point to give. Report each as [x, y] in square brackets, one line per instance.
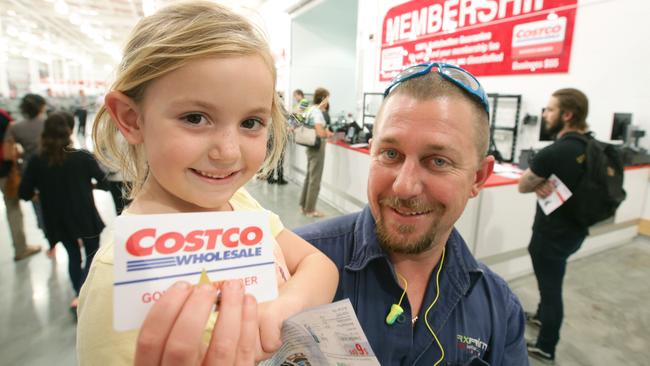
[194, 100]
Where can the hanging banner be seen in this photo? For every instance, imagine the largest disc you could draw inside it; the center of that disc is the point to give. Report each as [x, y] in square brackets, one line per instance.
[486, 37]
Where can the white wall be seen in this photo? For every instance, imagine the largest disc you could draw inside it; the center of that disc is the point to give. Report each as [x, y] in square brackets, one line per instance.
[607, 37]
[323, 52]
[608, 62]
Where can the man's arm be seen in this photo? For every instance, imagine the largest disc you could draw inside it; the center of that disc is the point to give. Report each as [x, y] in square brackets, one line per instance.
[515, 352]
[529, 182]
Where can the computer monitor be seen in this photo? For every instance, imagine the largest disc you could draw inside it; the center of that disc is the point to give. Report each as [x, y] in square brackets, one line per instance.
[620, 126]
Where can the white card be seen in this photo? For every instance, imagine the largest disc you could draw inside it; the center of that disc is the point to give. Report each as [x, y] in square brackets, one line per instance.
[154, 251]
[560, 194]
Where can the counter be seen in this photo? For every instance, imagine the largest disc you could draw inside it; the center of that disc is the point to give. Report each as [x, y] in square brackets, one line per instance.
[496, 224]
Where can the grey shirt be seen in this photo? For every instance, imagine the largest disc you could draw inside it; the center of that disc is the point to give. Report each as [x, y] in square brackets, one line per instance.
[28, 134]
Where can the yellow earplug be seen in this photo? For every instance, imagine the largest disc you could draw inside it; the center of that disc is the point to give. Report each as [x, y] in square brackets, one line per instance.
[395, 311]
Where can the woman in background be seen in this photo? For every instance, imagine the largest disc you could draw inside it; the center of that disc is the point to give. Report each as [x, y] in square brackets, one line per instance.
[63, 177]
[315, 155]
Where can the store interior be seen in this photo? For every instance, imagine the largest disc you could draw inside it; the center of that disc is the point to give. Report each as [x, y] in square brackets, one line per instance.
[58, 48]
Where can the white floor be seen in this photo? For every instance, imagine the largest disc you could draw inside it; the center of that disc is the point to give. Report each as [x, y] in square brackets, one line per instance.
[607, 319]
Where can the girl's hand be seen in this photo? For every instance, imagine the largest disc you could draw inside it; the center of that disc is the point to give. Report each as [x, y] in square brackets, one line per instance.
[173, 330]
[271, 316]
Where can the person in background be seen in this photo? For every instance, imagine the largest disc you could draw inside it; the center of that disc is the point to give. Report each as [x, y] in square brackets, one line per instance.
[51, 253]
[12, 203]
[81, 113]
[116, 186]
[555, 236]
[279, 169]
[196, 118]
[316, 154]
[63, 178]
[51, 102]
[300, 104]
[27, 134]
[420, 295]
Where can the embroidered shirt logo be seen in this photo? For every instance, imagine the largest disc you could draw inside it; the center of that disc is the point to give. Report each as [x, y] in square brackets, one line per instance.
[474, 346]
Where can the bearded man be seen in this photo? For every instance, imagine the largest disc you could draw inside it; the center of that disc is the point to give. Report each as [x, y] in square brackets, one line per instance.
[555, 236]
[420, 296]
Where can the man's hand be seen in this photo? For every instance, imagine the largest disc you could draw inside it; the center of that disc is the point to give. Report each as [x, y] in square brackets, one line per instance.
[173, 330]
[544, 189]
[529, 182]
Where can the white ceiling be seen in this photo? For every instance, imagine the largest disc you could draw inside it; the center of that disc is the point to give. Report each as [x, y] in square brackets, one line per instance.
[83, 31]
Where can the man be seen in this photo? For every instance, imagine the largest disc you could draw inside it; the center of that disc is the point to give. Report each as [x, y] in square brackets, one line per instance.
[428, 157]
[82, 114]
[555, 236]
[27, 133]
[12, 202]
[300, 104]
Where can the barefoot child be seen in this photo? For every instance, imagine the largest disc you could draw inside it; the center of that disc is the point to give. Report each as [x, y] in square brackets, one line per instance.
[195, 103]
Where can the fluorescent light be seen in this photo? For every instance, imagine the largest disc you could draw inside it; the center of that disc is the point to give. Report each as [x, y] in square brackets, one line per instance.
[148, 7]
[75, 19]
[12, 31]
[61, 7]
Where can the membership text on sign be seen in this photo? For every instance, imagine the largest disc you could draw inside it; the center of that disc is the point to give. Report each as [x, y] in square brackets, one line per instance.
[491, 37]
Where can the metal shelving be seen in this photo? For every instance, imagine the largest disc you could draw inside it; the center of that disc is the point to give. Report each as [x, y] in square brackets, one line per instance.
[512, 129]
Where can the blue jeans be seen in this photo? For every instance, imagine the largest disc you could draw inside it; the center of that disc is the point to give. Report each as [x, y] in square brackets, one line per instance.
[549, 270]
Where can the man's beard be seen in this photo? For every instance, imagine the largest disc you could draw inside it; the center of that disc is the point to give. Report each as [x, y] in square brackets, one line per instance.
[394, 243]
[556, 128]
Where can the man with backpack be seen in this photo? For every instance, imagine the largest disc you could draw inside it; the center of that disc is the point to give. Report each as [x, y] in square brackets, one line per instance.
[593, 172]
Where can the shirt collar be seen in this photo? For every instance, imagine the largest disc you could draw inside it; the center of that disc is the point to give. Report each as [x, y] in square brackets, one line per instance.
[460, 265]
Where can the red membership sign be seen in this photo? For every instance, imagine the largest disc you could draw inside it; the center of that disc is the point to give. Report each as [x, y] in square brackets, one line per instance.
[486, 37]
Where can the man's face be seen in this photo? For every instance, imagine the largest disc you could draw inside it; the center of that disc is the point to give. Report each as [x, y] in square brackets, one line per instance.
[423, 170]
[552, 117]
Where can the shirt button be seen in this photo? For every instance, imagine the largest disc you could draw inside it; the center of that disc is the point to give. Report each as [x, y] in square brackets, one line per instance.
[401, 319]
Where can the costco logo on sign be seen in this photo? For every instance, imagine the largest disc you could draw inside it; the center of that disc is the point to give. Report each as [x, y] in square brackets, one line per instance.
[151, 252]
[538, 39]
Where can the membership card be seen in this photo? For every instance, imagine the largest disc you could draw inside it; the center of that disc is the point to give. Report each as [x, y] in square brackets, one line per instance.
[154, 251]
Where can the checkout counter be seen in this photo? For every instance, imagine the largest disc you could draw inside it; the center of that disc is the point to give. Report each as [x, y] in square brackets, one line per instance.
[496, 225]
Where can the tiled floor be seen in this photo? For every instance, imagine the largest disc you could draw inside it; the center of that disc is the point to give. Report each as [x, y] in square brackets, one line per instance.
[607, 318]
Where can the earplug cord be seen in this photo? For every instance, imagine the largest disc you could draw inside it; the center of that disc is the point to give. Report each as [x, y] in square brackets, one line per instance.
[406, 286]
[426, 314]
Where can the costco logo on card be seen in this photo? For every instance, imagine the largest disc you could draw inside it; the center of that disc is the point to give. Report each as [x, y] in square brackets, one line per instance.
[154, 251]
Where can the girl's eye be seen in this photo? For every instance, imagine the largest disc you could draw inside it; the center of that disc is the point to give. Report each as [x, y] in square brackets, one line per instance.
[252, 124]
[194, 118]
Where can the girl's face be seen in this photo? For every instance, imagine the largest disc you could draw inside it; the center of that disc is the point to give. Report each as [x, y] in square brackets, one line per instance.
[204, 128]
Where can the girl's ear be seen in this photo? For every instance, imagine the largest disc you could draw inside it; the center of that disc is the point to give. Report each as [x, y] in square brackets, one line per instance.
[125, 114]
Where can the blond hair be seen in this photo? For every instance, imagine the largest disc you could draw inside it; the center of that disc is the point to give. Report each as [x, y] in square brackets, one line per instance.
[164, 42]
[432, 86]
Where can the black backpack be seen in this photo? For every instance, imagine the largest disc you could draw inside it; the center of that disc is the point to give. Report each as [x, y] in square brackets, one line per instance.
[600, 189]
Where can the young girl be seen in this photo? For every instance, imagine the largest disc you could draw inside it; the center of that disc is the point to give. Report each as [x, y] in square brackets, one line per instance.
[63, 177]
[194, 100]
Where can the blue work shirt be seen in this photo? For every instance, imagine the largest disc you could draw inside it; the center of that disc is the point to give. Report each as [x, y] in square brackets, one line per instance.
[477, 318]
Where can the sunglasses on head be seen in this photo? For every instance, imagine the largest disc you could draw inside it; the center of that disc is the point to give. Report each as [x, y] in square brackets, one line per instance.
[455, 74]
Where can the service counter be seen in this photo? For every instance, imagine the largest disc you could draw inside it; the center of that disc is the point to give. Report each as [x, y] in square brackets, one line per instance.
[496, 224]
